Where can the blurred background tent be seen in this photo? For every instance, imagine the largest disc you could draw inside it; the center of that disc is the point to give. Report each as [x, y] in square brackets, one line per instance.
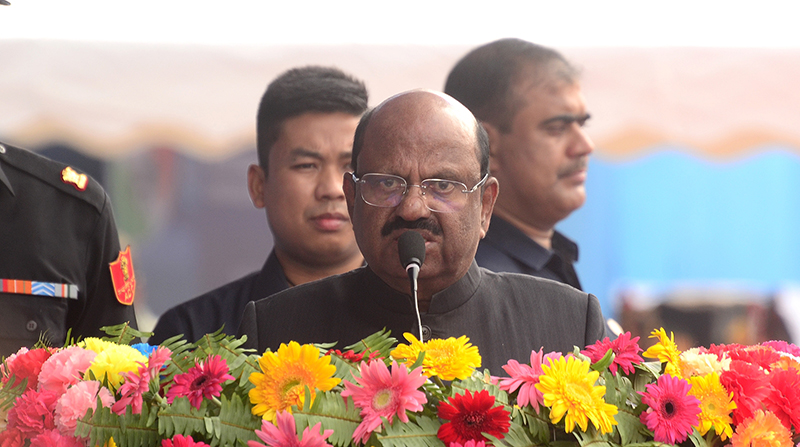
[693, 193]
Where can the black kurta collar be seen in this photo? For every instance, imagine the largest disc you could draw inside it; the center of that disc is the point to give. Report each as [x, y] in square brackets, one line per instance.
[442, 302]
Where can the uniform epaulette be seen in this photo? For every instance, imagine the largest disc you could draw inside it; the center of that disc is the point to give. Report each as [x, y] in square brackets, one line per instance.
[58, 175]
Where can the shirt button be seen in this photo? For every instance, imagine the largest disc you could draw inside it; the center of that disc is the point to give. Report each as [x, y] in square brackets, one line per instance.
[2, 149]
[426, 333]
[31, 326]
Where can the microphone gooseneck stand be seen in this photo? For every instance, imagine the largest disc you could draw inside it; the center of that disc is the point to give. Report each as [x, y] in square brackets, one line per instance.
[411, 247]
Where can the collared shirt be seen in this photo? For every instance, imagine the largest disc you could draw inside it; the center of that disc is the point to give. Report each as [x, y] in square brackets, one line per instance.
[55, 239]
[221, 306]
[505, 315]
[507, 249]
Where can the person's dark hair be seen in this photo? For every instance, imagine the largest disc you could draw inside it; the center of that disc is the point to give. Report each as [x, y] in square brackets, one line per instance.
[301, 90]
[484, 80]
[481, 136]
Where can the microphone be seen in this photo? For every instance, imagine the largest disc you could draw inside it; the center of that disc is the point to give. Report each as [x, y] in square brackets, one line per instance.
[411, 247]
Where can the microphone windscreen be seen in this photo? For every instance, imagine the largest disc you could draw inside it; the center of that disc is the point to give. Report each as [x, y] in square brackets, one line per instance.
[411, 247]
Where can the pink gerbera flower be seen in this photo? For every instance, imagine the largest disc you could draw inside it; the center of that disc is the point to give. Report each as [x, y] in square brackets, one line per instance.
[65, 368]
[384, 395]
[285, 434]
[204, 380]
[182, 441]
[137, 383]
[672, 411]
[525, 378]
[626, 352]
[470, 443]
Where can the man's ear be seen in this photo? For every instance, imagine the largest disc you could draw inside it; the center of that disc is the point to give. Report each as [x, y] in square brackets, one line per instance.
[256, 181]
[494, 136]
[489, 197]
[349, 188]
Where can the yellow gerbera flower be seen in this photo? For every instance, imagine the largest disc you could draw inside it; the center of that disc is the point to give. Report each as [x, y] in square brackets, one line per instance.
[113, 361]
[763, 429]
[666, 351]
[716, 404]
[568, 387]
[450, 359]
[409, 352]
[285, 376]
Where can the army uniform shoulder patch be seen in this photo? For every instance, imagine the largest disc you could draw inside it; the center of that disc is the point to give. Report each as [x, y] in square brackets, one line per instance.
[70, 176]
[123, 278]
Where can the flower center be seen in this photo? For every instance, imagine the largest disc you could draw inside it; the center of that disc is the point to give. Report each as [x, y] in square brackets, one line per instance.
[382, 399]
[473, 419]
[669, 408]
[199, 382]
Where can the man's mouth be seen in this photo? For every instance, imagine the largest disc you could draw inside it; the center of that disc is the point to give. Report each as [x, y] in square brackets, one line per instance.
[330, 221]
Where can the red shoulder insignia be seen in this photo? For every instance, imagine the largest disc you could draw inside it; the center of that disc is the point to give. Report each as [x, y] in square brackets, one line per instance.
[79, 181]
[123, 278]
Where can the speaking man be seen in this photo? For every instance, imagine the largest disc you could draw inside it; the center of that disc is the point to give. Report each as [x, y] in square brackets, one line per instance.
[306, 122]
[420, 164]
[529, 100]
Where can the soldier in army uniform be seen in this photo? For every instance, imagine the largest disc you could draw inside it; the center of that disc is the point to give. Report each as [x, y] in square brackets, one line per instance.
[60, 259]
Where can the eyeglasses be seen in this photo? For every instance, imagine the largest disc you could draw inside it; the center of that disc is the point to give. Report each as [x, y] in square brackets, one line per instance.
[387, 191]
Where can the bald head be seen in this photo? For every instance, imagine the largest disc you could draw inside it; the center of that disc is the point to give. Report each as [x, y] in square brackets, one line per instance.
[402, 116]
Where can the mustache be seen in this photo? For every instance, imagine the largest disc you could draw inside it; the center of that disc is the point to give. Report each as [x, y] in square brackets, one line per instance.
[578, 165]
[419, 224]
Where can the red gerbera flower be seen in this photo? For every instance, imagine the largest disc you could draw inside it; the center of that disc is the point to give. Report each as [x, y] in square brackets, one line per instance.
[352, 357]
[626, 352]
[470, 416]
[784, 397]
[204, 380]
[749, 385]
[673, 411]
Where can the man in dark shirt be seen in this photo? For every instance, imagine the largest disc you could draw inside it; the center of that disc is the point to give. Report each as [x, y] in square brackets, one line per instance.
[529, 100]
[420, 163]
[306, 121]
[58, 251]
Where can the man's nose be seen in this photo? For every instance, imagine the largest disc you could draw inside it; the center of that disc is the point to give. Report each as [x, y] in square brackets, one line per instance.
[329, 185]
[583, 145]
[412, 205]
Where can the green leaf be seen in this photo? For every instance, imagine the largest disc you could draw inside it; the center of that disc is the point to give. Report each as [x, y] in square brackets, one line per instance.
[123, 334]
[129, 430]
[235, 421]
[418, 433]
[182, 418]
[381, 342]
[603, 364]
[517, 436]
[330, 410]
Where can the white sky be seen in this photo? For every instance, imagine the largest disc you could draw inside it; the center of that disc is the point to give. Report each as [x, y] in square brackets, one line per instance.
[572, 23]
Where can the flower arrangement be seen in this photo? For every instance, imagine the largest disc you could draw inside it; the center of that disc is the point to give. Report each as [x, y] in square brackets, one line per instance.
[106, 392]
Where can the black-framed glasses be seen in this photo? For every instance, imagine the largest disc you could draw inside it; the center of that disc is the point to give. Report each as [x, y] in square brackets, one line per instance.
[441, 196]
